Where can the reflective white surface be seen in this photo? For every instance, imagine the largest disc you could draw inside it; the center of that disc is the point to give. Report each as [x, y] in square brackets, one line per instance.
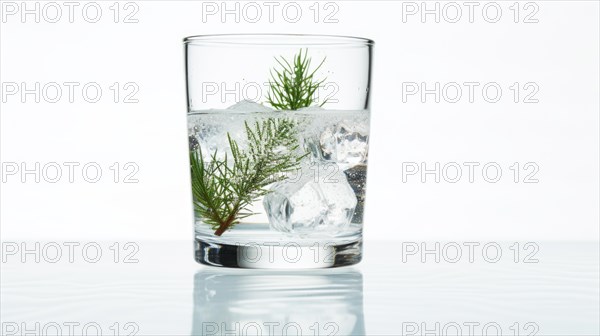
[166, 293]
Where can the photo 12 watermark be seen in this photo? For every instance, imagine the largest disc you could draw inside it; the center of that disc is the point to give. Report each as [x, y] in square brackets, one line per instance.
[469, 252]
[69, 328]
[69, 92]
[89, 252]
[269, 328]
[470, 92]
[469, 328]
[53, 12]
[224, 92]
[270, 11]
[255, 254]
[469, 172]
[68, 172]
[470, 12]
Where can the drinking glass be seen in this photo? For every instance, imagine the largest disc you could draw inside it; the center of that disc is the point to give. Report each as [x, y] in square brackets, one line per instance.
[278, 129]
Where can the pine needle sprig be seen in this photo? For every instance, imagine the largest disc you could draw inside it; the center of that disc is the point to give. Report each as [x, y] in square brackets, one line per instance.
[223, 193]
[293, 85]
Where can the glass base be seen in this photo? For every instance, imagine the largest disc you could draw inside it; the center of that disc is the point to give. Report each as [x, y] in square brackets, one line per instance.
[276, 256]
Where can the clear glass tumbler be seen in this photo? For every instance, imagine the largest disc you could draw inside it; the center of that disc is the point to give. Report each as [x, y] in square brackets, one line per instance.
[278, 130]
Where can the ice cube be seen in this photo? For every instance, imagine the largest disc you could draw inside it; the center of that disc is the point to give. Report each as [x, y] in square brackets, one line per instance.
[208, 133]
[317, 200]
[249, 106]
[208, 136]
[345, 143]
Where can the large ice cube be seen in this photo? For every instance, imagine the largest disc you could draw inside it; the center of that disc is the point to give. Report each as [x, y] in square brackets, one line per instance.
[249, 106]
[345, 143]
[317, 199]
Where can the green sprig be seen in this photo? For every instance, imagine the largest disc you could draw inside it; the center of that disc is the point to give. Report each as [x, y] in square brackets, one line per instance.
[293, 85]
[222, 193]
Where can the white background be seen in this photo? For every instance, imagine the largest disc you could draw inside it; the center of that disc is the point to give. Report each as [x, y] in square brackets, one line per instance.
[559, 134]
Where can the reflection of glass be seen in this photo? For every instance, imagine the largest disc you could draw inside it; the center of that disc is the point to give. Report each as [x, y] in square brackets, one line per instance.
[278, 302]
[278, 129]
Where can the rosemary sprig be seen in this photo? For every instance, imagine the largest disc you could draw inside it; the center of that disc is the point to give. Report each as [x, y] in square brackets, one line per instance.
[293, 85]
[223, 193]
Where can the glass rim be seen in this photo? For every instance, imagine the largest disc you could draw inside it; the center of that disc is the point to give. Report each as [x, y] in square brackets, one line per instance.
[251, 39]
